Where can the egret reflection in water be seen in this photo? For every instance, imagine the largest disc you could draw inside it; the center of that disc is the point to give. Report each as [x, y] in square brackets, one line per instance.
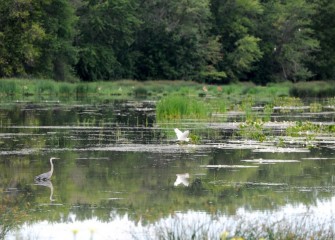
[47, 175]
[182, 179]
[47, 183]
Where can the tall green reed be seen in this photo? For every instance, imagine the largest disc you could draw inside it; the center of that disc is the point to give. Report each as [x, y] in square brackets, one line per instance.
[180, 107]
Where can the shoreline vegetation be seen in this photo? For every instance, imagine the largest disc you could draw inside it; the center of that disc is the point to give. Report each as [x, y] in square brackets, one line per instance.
[178, 101]
[46, 87]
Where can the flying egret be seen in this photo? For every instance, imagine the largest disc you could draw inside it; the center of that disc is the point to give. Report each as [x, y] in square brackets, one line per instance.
[46, 176]
[182, 136]
[182, 179]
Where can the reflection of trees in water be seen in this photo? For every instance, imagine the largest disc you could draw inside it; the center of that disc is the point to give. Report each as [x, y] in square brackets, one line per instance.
[143, 185]
[110, 184]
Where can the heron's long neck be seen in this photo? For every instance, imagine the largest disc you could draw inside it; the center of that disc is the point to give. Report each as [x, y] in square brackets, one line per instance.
[52, 166]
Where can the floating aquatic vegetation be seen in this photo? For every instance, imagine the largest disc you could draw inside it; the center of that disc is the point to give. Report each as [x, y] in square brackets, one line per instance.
[148, 148]
[309, 130]
[243, 144]
[281, 150]
[316, 158]
[253, 130]
[270, 161]
[229, 166]
[233, 184]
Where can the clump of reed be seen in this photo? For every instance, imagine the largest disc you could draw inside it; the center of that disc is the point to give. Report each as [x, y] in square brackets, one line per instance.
[180, 107]
[46, 87]
[8, 87]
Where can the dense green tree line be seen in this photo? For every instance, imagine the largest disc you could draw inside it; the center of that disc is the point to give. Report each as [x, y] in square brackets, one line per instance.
[206, 40]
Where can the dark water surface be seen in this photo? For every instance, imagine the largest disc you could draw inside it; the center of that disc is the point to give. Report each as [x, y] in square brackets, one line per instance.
[121, 175]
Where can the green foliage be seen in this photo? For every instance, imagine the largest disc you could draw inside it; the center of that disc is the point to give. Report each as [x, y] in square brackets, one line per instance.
[246, 53]
[174, 42]
[210, 41]
[288, 40]
[235, 22]
[36, 38]
[106, 35]
[20, 36]
[323, 25]
[213, 77]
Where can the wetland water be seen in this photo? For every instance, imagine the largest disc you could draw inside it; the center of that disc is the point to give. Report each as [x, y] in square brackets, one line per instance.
[116, 176]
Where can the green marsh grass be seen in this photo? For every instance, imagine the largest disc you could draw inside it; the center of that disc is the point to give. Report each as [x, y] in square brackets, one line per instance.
[8, 88]
[159, 88]
[180, 107]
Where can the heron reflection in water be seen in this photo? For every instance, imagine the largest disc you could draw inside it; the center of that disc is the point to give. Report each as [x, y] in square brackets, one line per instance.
[182, 179]
[46, 176]
[46, 183]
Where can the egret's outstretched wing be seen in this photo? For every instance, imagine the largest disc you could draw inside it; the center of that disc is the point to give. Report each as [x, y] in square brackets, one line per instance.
[178, 133]
[182, 136]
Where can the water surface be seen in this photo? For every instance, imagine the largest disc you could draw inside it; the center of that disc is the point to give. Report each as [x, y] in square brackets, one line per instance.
[117, 174]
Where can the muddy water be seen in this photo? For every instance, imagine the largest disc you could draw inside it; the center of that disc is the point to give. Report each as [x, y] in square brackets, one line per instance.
[122, 175]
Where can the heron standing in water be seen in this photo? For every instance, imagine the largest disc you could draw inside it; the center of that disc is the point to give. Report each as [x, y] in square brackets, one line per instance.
[46, 176]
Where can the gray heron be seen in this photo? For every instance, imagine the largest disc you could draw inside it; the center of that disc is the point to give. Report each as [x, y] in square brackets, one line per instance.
[46, 176]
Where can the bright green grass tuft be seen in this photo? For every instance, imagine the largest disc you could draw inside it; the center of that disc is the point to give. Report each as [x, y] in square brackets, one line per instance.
[180, 107]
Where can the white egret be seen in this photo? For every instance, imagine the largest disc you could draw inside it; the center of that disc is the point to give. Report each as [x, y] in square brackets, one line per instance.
[182, 136]
[46, 176]
[182, 179]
